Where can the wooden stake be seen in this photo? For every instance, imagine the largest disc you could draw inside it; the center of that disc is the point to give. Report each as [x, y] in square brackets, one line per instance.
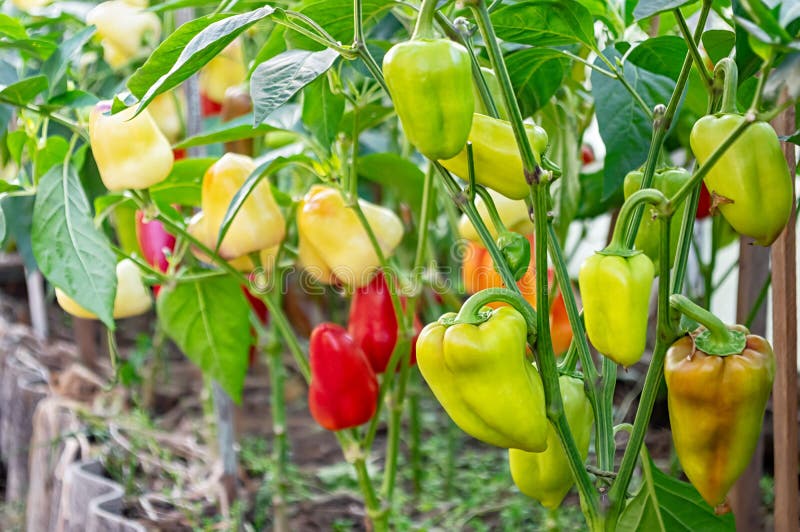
[784, 331]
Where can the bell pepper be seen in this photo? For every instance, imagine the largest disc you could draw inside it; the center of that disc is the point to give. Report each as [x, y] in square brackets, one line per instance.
[481, 376]
[513, 213]
[197, 228]
[373, 323]
[155, 243]
[237, 103]
[703, 203]
[718, 382]
[616, 294]
[343, 392]
[168, 109]
[126, 31]
[430, 82]
[132, 297]
[516, 251]
[334, 246]
[546, 476]
[131, 153]
[258, 225]
[494, 89]
[750, 182]
[648, 236]
[225, 70]
[498, 164]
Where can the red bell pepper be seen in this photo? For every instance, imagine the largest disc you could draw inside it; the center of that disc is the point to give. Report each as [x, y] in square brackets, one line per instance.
[344, 389]
[373, 324]
[704, 204]
[155, 242]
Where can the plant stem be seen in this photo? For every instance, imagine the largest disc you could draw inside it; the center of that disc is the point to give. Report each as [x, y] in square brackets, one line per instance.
[376, 514]
[694, 52]
[626, 217]
[726, 73]
[280, 444]
[424, 26]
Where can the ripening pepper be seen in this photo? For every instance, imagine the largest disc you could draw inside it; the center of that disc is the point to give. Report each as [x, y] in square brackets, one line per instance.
[716, 404]
[131, 153]
[513, 213]
[197, 228]
[498, 164]
[430, 81]
[494, 89]
[750, 182]
[334, 246]
[703, 203]
[132, 297]
[481, 376]
[225, 70]
[478, 273]
[343, 392]
[259, 223]
[154, 241]
[373, 323]
[546, 476]
[648, 237]
[126, 31]
[168, 109]
[616, 294]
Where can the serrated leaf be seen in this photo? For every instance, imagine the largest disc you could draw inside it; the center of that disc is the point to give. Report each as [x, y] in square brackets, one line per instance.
[545, 23]
[648, 8]
[209, 320]
[536, 74]
[624, 126]
[23, 91]
[274, 82]
[70, 251]
[187, 50]
[666, 504]
[322, 111]
[718, 43]
[660, 55]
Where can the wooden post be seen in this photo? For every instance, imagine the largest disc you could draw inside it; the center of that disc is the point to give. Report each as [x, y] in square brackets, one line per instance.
[784, 331]
[745, 497]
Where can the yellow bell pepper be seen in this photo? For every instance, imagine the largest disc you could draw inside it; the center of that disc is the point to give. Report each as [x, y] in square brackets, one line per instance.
[513, 213]
[126, 31]
[334, 246]
[199, 229]
[226, 70]
[132, 298]
[131, 153]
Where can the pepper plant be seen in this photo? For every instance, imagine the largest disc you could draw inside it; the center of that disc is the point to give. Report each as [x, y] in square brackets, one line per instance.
[369, 129]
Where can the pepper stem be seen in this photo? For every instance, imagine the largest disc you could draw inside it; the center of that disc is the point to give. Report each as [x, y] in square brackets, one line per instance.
[424, 26]
[491, 209]
[726, 74]
[471, 309]
[717, 339]
[626, 216]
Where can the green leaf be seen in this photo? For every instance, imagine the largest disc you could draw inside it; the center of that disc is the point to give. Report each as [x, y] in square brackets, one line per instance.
[396, 173]
[785, 78]
[23, 91]
[16, 141]
[70, 251]
[74, 99]
[718, 43]
[194, 54]
[336, 16]
[52, 153]
[239, 128]
[183, 184]
[274, 82]
[536, 74]
[11, 27]
[56, 65]
[322, 111]
[39, 48]
[369, 116]
[209, 320]
[624, 126]
[648, 8]
[18, 212]
[660, 55]
[545, 23]
[591, 202]
[666, 504]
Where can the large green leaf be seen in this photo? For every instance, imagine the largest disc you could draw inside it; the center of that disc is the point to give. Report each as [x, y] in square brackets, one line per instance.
[648, 8]
[209, 320]
[545, 23]
[70, 251]
[12, 27]
[322, 111]
[182, 185]
[172, 68]
[23, 91]
[718, 43]
[624, 126]
[666, 504]
[336, 16]
[275, 81]
[536, 74]
[660, 55]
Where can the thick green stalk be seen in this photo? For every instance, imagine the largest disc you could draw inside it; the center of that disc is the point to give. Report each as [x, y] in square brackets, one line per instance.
[280, 444]
[626, 217]
[664, 337]
[694, 52]
[377, 515]
[423, 29]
